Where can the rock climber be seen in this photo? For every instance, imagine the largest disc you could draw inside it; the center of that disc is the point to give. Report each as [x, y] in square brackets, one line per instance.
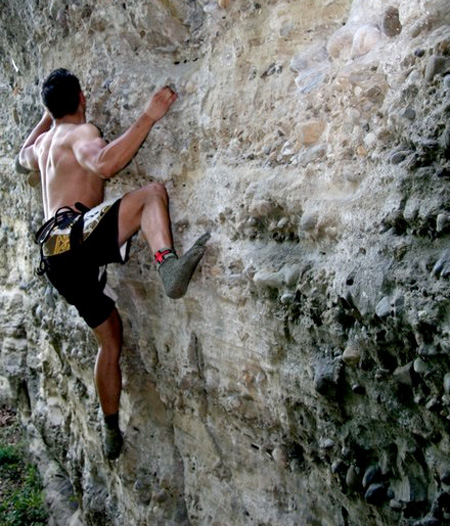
[83, 233]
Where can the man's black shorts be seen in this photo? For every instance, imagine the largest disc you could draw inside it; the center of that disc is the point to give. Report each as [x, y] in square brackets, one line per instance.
[75, 269]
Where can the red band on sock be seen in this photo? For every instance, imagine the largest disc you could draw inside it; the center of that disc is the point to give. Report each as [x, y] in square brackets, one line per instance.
[160, 255]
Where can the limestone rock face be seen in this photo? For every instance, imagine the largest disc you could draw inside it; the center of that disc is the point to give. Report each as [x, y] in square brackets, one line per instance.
[304, 378]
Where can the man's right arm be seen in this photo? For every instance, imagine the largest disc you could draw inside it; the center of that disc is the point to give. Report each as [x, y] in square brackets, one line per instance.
[27, 156]
[106, 160]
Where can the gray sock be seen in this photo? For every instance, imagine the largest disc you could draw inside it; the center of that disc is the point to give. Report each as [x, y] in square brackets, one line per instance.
[113, 440]
[176, 272]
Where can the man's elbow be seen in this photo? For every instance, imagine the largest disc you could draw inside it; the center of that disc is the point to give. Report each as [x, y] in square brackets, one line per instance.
[22, 163]
[106, 166]
[20, 168]
[21, 158]
[103, 165]
[105, 170]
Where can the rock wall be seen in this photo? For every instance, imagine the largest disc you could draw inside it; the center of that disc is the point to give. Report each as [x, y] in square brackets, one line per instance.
[305, 377]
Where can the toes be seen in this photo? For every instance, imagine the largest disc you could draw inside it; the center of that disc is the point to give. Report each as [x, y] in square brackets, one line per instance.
[201, 241]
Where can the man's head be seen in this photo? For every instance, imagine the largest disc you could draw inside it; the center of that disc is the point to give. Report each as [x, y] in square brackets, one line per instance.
[61, 93]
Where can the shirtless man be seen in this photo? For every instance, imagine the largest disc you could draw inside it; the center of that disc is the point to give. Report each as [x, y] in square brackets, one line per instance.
[83, 233]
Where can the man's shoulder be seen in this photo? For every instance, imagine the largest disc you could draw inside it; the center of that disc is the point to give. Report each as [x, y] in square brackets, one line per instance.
[100, 131]
[84, 131]
[91, 128]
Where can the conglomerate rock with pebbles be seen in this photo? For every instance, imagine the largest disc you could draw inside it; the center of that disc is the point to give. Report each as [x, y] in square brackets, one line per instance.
[304, 378]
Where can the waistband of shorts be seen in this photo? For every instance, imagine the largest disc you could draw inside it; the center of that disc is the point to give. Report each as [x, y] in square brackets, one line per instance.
[53, 242]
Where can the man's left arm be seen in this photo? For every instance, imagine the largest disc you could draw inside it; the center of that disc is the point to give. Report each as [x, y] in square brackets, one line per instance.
[27, 156]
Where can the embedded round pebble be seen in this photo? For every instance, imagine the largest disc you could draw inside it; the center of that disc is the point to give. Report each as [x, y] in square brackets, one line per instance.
[371, 475]
[376, 494]
[351, 356]
[391, 22]
[364, 40]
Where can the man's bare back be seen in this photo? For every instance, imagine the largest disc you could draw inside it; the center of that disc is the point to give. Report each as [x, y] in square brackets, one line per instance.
[64, 180]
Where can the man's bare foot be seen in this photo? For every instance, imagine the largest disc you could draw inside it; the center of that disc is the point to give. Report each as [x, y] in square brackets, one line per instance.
[176, 273]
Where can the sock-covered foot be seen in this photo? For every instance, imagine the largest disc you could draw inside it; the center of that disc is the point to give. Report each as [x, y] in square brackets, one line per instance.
[112, 437]
[176, 273]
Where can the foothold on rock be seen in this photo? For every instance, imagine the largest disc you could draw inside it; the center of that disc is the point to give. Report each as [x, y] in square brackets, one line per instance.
[433, 404]
[338, 467]
[428, 350]
[395, 505]
[326, 378]
[409, 113]
[399, 156]
[428, 521]
[326, 443]
[308, 221]
[442, 222]
[391, 22]
[445, 477]
[442, 267]
[352, 479]
[383, 308]
[371, 476]
[376, 494]
[436, 65]
[270, 279]
[358, 389]
[447, 383]
[351, 356]
[421, 367]
[340, 42]
[365, 39]
[404, 374]
[444, 142]
[280, 456]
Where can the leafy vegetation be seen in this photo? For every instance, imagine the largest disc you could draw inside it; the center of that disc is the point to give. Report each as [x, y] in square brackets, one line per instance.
[21, 496]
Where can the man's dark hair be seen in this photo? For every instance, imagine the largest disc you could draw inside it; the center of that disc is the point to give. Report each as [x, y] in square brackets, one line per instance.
[61, 93]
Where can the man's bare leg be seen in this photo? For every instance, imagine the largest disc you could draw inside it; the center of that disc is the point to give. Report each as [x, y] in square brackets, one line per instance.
[108, 380]
[148, 209]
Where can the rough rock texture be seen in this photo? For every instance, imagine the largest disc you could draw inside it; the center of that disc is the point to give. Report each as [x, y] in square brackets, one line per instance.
[305, 377]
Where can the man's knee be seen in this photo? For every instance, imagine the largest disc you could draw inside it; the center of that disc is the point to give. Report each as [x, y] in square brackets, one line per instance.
[157, 190]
